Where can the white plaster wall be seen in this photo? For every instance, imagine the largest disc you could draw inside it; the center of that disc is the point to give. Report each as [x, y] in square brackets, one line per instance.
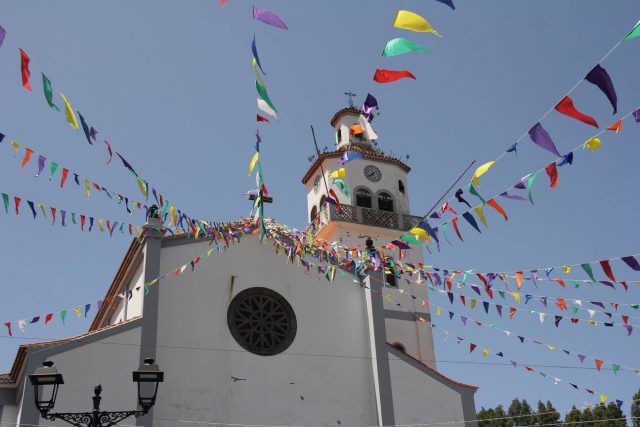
[128, 309]
[306, 385]
[355, 178]
[421, 399]
[109, 363]
[9, 415]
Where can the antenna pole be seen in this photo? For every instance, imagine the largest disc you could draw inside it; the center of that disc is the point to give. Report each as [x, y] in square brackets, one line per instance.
[449, 189]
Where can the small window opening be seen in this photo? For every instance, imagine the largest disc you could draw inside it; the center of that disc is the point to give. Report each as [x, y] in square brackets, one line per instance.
[314, 213]
[391, 280]
[385, 202]
[339, 135]
[363, 198]
[401, 186]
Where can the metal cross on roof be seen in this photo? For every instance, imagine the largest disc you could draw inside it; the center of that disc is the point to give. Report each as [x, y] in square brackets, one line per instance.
[350, 95]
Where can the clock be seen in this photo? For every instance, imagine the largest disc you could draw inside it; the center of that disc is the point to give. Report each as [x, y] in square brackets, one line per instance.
[372, 173]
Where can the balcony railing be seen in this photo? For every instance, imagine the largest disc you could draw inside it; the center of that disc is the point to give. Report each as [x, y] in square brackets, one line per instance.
[366, 216]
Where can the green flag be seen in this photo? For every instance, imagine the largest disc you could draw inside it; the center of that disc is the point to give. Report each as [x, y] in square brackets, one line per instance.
[63, 315]
[530, 183]
[401, 46]
[615, 367]
[5, 199]
[48, 93]
[587, 268]
[473, 191]
[635, 32]
[262, 91]
[54, 167]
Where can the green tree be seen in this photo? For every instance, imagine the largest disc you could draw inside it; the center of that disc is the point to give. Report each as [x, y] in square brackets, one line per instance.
[493, 417]
[612, 413]
[521, 412]
[587, 415]
[635, 410]
[547, 414]
[600, 413]
[573, 416]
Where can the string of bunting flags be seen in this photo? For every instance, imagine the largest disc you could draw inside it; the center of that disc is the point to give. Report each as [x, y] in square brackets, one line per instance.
[231, 233]
[66, 173]
[424, 233]
[89, 130]
[597, 76]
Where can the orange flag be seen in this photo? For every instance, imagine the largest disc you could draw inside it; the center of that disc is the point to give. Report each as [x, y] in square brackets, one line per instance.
[616, 127]
[519, 279]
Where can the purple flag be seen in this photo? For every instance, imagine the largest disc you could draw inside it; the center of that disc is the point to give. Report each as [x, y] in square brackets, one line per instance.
[599, 77]
[268, 17]
[2, 34]
[581, 357]
[636, 114]
[369, 104]
[631, 262]
[506, 195]
[41, 160]
[541, 138]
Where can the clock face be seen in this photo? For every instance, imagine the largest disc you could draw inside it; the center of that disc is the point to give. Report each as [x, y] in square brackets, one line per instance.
[372, 173]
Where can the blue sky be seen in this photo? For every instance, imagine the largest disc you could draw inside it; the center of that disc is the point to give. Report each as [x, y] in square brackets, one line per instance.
[171, 87]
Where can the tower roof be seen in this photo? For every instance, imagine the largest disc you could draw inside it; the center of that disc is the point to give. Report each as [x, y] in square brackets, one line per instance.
[336, 116]
[368, 153]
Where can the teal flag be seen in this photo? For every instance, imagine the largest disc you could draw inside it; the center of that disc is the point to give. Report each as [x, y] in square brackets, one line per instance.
[5, 199]
[262, 91]
[529, 184]
[54, 167]
[473, 191]
[633, 33]
[63, 315]
[48, 92]
[587, 268]
[400, 46]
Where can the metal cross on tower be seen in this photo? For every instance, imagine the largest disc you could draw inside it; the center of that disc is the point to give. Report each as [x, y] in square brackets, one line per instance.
[350, 95]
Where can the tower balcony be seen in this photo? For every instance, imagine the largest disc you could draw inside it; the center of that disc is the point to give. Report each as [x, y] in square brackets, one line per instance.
[366, 216]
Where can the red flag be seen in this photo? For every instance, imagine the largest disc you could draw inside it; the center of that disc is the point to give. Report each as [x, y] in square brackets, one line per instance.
[17, 201]
[616, 127]
[53, 214]
[472, 347]
[48, 318]
[8, 325]
[262, 119]
[512, 312]
[598, 364]
[625, 319]
[566, 107]
[495, 205]
[110, 152]
[82, 220]
[463, 300]
[607, 269]
[454, 221]
[24, 68]
[63, 178]
[388, 76]
[552, 171]
[560, 282]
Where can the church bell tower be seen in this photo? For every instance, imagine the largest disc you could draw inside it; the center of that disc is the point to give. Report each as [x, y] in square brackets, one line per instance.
[372, 190]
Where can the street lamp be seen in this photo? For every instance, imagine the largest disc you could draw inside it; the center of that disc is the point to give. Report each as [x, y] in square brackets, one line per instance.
[48, 377]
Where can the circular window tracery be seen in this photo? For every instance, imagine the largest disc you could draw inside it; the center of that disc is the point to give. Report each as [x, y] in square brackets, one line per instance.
[262, 321]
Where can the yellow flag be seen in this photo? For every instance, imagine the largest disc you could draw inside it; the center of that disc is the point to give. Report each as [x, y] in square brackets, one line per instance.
[593, 144]
[420, 232]
[15, 144]
[100, 224]
[551, 347]
[77, 310]
[566, 269]
[142, 186]
[339, 174]
[87, 187]
[172, 214]
[438, 310]
[481, 171]
[253, 162]
[516, 296]
[603, 398]
[473, 303]
[480, 213]
[69, 114]
[138, 231]
[485, 352]
[255, 71]
[413, 22]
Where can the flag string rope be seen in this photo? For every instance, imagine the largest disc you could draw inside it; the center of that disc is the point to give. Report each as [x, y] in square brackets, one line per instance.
[116, 197]
[573, 88]
[9, 37]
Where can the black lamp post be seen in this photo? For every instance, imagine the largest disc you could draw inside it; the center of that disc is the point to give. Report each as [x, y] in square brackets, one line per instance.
[48, 377]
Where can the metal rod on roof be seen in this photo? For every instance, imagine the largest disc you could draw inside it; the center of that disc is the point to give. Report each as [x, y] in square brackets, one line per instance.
[449, 189]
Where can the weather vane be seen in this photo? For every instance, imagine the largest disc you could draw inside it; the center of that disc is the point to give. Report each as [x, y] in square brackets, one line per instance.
[350, 95]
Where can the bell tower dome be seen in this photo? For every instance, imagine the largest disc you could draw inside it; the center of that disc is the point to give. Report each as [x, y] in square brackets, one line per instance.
[356, 192]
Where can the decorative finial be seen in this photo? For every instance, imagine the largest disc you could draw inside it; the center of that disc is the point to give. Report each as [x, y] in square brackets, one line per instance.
[350, 95]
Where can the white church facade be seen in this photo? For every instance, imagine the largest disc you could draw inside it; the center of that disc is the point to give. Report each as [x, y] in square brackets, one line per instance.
[247, 338]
